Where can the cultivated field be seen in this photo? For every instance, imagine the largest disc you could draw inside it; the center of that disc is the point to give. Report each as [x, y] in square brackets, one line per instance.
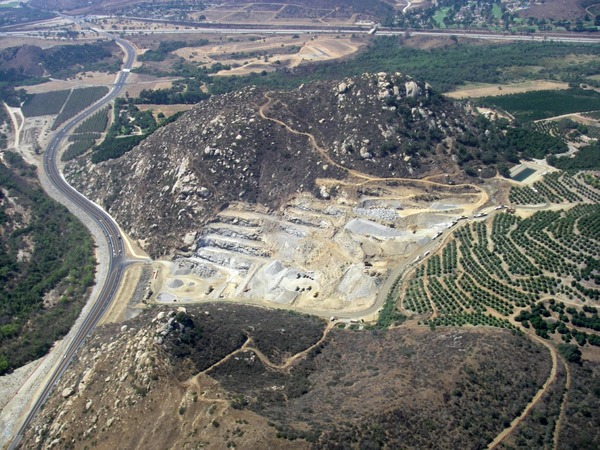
[78, 100]
[491, 269]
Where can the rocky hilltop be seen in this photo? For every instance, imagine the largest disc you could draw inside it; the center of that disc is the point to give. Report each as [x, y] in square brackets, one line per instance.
[264, 147]
[227, 376]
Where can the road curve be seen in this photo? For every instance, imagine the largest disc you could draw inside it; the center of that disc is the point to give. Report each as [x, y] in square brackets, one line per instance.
[116, 262]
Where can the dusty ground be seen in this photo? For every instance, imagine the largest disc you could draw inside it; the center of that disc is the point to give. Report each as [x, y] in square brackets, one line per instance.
[126, 296]
[484, 90]
[135, 83]
[568, 9]
[314, 254]
[16, 41]
[250, 55]
[140, 390]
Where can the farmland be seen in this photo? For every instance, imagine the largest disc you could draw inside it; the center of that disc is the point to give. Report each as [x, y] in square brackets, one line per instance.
[543, 104]
[508, 269]
[78, 101]
[94, 124]
[80, 143]
[45, 103]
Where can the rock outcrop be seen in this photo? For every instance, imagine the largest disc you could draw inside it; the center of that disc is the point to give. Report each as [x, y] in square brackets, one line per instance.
[254, 146]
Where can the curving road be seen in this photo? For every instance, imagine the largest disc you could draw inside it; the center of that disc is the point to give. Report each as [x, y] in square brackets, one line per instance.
[73, 199]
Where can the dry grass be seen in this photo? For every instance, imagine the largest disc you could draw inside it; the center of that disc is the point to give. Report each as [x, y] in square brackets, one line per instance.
[167, 110]
[485, 90]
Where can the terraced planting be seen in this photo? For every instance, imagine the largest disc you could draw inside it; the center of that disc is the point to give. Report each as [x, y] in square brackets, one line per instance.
[507, 269]
[86, 135]
[80, 143]
[556, 187]
[94, 124]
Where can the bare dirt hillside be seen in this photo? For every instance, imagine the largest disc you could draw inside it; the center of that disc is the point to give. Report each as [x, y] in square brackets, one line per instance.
[230, 376]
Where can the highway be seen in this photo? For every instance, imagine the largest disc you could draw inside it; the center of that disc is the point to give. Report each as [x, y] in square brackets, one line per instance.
[116, 261]
[277, 29]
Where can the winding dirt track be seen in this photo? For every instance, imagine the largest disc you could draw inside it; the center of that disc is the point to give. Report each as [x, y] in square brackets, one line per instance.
[563, 405]
[262, 111]
[263, 358]
[536, 398]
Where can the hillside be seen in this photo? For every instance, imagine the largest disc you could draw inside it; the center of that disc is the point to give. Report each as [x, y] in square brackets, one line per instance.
[44, 275]
[263, 147]
[299, 8]
[217, 376]
[60, 61]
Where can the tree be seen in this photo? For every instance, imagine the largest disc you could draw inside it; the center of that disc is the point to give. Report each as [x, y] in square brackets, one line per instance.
[570, 352]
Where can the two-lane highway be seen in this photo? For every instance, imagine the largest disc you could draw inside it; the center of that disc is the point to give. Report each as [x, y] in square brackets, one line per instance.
[75, 200]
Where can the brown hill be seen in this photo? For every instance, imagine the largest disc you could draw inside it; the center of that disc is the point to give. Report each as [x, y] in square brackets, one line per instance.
[262, 147]
[24, 60]
[222, 376]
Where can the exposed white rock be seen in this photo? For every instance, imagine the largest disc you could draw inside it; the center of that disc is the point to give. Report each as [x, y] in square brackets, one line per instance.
[67, 392]
[412, 89]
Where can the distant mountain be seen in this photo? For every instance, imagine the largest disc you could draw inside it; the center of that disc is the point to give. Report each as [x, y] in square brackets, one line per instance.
[377, 8]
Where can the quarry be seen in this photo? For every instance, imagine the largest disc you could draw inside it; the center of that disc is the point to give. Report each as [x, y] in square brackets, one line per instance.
[328, 255]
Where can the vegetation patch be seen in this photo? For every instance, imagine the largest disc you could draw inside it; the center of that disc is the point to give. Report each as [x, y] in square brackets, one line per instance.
[130, 127]
[95, 123]
[339, 397]
[537, 105]
[46, 266]
[166, 47]
[586, 158]
[44, 104]
[445, 68]
[514, 265]
[207, 335]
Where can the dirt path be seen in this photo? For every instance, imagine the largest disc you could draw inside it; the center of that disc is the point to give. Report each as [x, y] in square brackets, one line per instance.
[536, 398]
[262, 111]
[292, 359]
[263, 358]
[17, 123]
[562, 116]
[563, 406]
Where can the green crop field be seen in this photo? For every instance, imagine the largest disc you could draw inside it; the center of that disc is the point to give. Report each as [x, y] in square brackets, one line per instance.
[94, 124]
[77, 102]
[44, 104]
[78, 147]
[543, 104]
